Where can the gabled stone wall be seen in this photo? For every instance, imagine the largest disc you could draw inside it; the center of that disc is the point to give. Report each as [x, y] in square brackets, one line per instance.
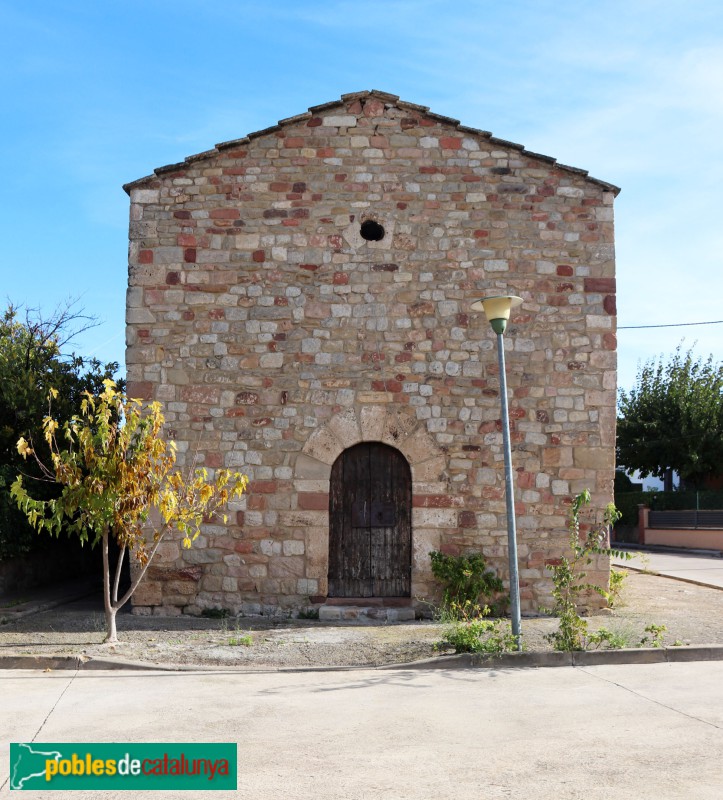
[276, 335]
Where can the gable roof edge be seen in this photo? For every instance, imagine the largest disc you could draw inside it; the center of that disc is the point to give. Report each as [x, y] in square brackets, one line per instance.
[345, 98]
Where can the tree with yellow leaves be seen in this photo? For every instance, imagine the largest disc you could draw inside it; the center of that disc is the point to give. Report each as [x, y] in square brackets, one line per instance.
[119, 480]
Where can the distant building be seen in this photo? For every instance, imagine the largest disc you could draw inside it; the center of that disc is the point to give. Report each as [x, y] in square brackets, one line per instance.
[299, 302]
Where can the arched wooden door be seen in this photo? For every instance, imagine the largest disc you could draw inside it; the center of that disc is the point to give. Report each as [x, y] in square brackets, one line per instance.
[370, 519]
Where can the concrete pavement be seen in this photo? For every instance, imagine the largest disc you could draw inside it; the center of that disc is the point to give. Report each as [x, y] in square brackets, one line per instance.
[643, 731]
[697, 568]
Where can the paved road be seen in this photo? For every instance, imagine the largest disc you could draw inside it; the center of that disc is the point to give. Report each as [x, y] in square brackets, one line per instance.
[642, 731]
[706, 570]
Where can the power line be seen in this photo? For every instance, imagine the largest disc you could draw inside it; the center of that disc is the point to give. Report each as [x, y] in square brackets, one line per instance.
[670, 325]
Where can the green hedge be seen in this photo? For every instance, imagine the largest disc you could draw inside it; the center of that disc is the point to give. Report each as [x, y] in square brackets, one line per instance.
[627, 502]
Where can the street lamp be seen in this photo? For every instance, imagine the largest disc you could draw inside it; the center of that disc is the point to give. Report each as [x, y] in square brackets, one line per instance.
[497, 310]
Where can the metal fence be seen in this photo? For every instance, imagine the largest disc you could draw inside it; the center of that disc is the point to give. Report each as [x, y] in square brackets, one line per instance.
[685, 519]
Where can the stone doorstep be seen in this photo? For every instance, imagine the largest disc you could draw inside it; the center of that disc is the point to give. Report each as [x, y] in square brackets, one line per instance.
[385, 609]
[385, 602]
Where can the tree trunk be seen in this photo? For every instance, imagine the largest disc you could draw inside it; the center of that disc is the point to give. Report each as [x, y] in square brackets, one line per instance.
[110, 609]
[110, 593]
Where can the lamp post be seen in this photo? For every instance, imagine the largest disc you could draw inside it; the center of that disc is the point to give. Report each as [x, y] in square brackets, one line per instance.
[497, 309]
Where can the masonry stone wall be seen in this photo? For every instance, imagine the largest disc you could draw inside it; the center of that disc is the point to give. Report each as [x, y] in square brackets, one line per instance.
[275, 336]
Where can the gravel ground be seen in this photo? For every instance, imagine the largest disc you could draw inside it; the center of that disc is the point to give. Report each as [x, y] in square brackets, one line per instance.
[692, 615]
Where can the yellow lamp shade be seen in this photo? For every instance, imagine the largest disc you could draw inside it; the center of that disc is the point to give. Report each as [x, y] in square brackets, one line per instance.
[497, 306]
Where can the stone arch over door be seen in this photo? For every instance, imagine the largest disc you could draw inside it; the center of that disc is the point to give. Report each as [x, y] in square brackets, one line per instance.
[370, 523]
[309, 515]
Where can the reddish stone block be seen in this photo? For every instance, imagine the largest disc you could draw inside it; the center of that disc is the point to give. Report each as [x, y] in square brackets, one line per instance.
[142, 390]
[610, 341]
[189, 255]
[145, 257]
[467, 519]
[421, 309]
[246, 399]
[224, 213]
[601, 285]
[185, 240]
[450, 142]
[565, 270]
[610, 305]
[313, 501]
[259, 256]
[173, 278]
[340, 279]
[188, 316]
[525, 480]
[213, 460]
[373, 107]
[432, 501]
[262, 487]
[314, 122]
[294, 141]
[386, 386]
[205, 395]
[277, 186]
[182, 214]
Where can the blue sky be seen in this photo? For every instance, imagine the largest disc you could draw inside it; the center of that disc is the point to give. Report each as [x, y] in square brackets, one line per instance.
[97, 94]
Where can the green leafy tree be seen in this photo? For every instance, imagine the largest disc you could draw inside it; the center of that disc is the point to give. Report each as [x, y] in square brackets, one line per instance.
[118, 479]
[31, 362]
[673, 419]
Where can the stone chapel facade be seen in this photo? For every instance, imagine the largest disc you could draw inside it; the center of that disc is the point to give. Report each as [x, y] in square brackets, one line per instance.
[299, 302]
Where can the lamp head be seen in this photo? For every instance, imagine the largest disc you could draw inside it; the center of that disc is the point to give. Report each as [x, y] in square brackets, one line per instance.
[497, 309]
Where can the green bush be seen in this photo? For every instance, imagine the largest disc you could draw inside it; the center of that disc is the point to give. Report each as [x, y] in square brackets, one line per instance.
[469, 631]
[465, 579]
